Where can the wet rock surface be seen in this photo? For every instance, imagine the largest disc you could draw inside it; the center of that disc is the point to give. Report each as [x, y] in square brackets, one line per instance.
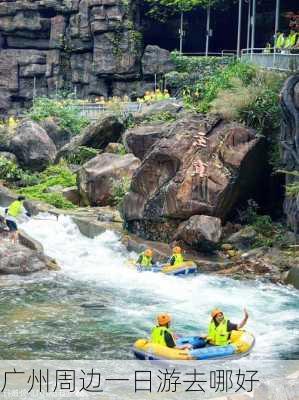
[18, 259]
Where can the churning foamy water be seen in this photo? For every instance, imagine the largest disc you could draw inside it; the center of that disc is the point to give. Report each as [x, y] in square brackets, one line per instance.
[97, 305]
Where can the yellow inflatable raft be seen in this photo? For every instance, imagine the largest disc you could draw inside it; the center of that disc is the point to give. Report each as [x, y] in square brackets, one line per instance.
[241, 343]
[186, 268]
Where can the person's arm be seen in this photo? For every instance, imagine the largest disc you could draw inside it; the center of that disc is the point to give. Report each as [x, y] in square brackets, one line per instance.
[169, 340]
[244, 321]
[172, 261]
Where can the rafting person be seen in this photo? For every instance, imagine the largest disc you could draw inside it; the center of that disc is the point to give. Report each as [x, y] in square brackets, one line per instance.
[177, 256]
[220, 328]
[161, 334]
[14, 212]
[145, 259]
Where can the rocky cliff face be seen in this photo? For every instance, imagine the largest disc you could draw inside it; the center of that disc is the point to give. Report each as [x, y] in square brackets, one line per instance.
[290, 146]
[196, 166]
[91, 46]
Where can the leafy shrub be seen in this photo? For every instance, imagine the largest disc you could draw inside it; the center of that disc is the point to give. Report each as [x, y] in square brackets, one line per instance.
[268, 233]
[192, 73]
[121, 150]
[198, 64]
[81, 155]
[11, 173]
[59, 175]
[63, 109]
[120, 189]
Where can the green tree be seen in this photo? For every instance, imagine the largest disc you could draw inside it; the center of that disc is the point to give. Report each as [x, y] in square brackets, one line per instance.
[168, 8]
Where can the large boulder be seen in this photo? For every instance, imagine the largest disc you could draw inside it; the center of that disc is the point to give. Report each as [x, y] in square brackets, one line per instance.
[200, 231]
[289, 145]
[156, 61]
[292, 277]
[170, 107]
[18, 259]
[32, 146]
[59, 135]
[200, 169]
[108, 128]
[6, 196]
[98, 177]
[139, 140]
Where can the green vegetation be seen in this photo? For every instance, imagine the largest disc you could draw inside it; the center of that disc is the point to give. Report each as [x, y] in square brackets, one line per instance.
[121, 150]
[62, 109]
[292, 189]
[36, 186]
[120, 189]
[237, 91]
[268, 233]
[11, 173]
[81, 155]
[165, 9]
[56, 175]
[192, 73]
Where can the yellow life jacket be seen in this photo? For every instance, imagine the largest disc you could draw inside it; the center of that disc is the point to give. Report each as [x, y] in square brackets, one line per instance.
[178, 259]
[218, 335]
[280, 41]
[15, 209]
[158, 335]
[146, 261]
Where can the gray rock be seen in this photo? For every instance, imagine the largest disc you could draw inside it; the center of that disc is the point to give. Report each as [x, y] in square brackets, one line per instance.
[96, 178]
[6, 196]
[32, 146]
[55, 189]
[156, 61]
[140, 139]
[200, 231]
[108, 128]
[59, 135]
[292, 277]
[18, 259]
[170, 106]
[8, 156]
[244, 238]
[72, 194]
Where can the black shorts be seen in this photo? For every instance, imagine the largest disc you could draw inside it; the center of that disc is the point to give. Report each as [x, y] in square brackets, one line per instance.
[12, 226]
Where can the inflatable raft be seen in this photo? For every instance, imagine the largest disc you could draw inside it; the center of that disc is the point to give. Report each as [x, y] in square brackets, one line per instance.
[186, 268]
[241, 343]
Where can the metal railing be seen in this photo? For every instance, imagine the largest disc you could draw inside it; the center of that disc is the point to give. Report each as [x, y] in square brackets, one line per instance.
[91, 111]
[223, 53]
[271, 58]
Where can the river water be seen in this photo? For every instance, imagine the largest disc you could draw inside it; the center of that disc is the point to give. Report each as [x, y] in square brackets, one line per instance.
[96, 306]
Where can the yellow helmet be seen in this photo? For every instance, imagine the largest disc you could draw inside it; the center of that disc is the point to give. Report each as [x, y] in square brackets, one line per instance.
[177, 250]
[215, 312]
[163, 319]
[148, 253]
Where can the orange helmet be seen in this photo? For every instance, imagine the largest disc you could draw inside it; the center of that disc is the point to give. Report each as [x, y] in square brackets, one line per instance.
[215, 312]
[177, 250]
[163, 319]
[148, 253]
